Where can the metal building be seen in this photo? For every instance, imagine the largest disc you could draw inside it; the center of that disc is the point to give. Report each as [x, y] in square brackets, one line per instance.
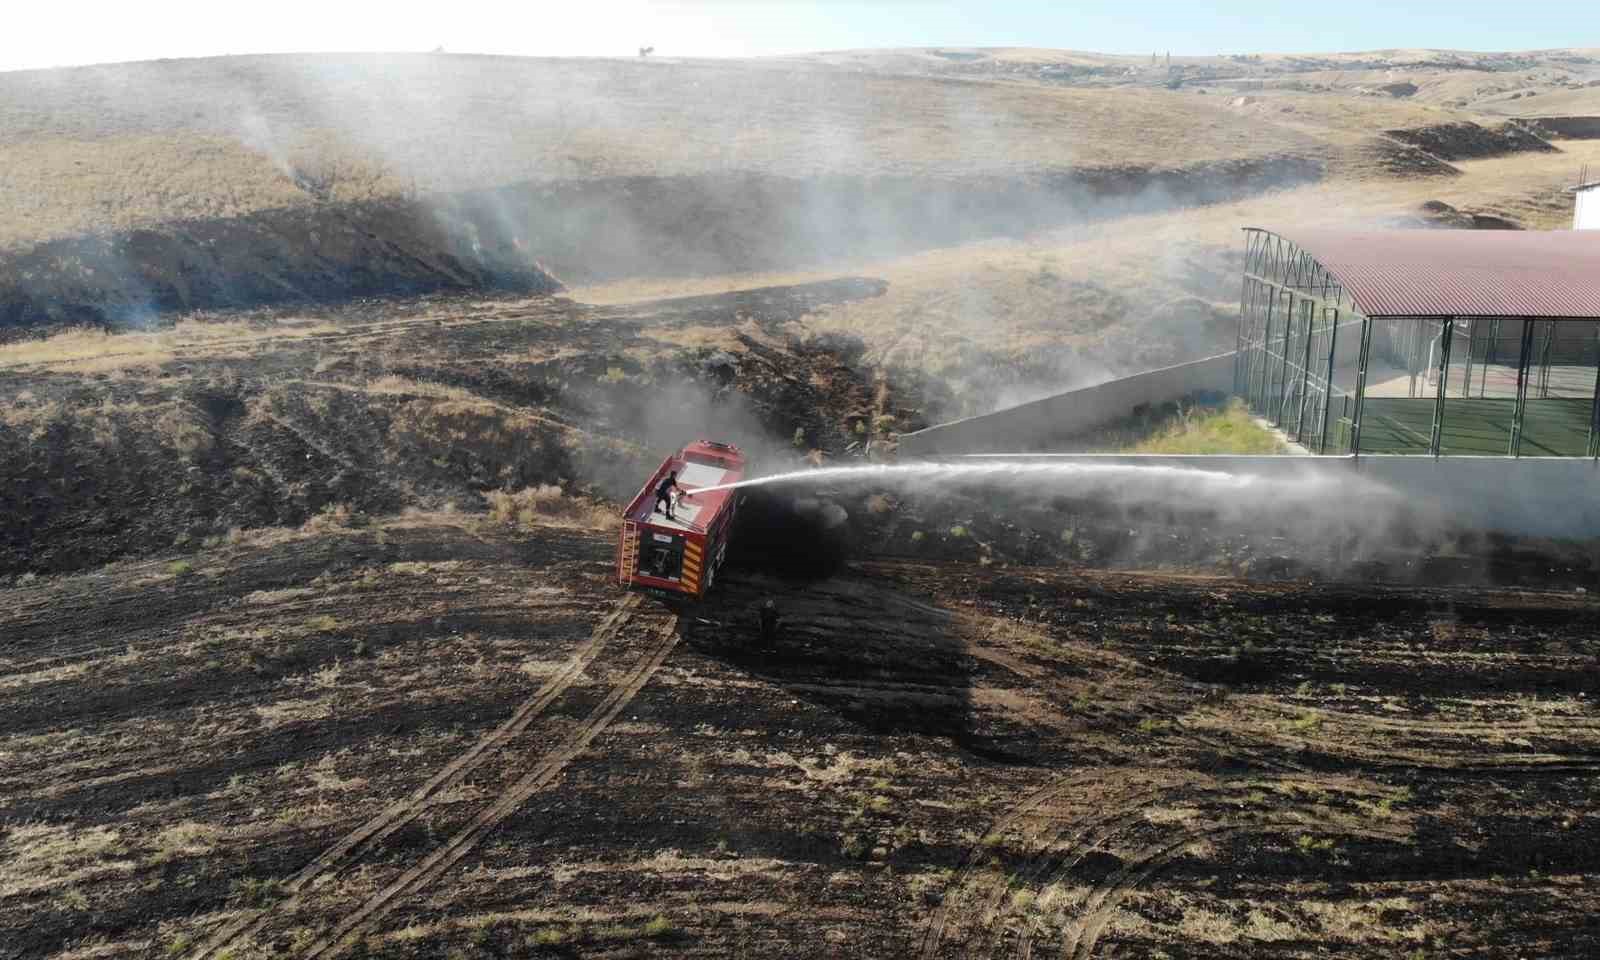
[1456, 342]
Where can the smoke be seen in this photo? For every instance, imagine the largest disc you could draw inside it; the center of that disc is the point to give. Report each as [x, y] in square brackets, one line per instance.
[795, 537]
[600, 170]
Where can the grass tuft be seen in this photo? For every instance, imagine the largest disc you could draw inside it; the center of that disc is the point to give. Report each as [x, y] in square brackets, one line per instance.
[1226, 429]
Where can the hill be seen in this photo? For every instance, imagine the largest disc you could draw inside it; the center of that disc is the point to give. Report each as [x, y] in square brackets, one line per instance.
[348, 176]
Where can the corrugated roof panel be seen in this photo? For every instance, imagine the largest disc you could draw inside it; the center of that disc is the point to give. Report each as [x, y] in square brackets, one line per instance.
[1449, 273]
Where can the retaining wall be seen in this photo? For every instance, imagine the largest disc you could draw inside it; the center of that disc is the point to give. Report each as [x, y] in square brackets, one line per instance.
[1038, 425]
[1033, 426]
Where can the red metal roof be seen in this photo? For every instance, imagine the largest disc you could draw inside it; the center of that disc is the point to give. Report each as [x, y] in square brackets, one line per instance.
[1462, 273]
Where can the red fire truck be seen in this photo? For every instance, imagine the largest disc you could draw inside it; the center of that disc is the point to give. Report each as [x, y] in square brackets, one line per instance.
[682, 554]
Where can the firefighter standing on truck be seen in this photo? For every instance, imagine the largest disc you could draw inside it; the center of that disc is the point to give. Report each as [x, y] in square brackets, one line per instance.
[664, 493]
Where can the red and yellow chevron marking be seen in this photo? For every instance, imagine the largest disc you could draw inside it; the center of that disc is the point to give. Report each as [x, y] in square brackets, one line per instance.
[693, 563]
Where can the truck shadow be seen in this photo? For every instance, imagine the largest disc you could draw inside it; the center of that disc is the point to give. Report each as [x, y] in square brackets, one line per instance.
[878, 659]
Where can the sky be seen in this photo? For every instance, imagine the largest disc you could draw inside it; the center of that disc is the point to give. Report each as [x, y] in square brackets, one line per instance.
[94, 31]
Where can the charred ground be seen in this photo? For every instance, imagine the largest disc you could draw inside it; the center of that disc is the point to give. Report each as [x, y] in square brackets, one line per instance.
[441, 735]
[373, 690]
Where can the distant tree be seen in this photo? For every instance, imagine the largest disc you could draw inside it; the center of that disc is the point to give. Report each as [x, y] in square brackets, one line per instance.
[646, 51]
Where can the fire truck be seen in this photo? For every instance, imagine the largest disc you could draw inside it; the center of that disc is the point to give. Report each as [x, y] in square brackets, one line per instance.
[682, 554]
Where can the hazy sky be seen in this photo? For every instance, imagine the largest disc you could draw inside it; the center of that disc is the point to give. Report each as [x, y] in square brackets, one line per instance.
[57, 33]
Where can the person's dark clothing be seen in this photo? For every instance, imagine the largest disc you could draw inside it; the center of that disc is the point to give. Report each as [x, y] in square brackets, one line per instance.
[769, 623]
[664, 494]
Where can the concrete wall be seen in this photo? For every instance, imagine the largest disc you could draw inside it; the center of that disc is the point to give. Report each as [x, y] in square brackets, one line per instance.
[1527, 496]
[1036, 425]
[1572, 128]
[1032, 426]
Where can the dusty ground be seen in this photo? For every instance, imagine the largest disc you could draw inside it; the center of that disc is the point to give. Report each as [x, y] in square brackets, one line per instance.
[435, 735]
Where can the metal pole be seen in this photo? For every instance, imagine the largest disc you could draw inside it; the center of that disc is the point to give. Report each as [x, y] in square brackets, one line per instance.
[1259, 397]
[1488, 361]
[1544, 361]
[1283, 368]
[1438, 400]
[1523, 358]
[1245, 291]
[1594, 406]
[1466, 368]
[1361, 386]
[1246, 296]
[1305, 373]
[1413, 356]
[1327, 403]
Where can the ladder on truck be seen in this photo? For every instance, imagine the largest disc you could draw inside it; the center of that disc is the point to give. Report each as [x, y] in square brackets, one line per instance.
[628, 556]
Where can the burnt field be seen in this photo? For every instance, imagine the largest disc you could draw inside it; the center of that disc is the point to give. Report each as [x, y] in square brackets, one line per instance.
[311, 646]
[438, 735]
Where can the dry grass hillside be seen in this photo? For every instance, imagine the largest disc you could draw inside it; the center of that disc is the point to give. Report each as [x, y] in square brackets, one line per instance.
[1044, 217]
[112, 147]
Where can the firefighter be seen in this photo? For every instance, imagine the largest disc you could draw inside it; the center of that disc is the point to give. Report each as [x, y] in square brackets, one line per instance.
[769, 623]
[664, 493]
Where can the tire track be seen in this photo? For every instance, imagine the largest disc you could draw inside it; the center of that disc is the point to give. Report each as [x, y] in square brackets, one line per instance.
[1107, 897]
[1090, 835]
[1121, 815]
[117, 638]
[548, 768]
[1081, 935]
[1032, 805]
[404, 811]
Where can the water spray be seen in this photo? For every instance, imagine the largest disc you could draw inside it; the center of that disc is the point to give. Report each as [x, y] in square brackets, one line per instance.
[1002, 473]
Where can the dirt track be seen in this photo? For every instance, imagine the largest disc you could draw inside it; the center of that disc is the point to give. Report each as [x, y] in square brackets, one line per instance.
[429, 734]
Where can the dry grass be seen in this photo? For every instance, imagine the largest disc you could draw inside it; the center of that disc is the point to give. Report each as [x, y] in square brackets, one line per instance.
[114, 147]
[295, 711]
[87, 350]
[547, 505]
[402, 387]
[47, 856]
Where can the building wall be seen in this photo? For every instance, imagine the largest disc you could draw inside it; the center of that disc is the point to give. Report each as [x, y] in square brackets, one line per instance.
[1034, 426]
[1586, 212]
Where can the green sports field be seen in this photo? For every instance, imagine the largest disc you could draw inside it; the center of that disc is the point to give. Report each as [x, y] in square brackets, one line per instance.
[1552, 427]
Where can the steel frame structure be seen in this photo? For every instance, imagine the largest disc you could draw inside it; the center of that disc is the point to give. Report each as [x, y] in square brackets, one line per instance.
[1294, 313]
